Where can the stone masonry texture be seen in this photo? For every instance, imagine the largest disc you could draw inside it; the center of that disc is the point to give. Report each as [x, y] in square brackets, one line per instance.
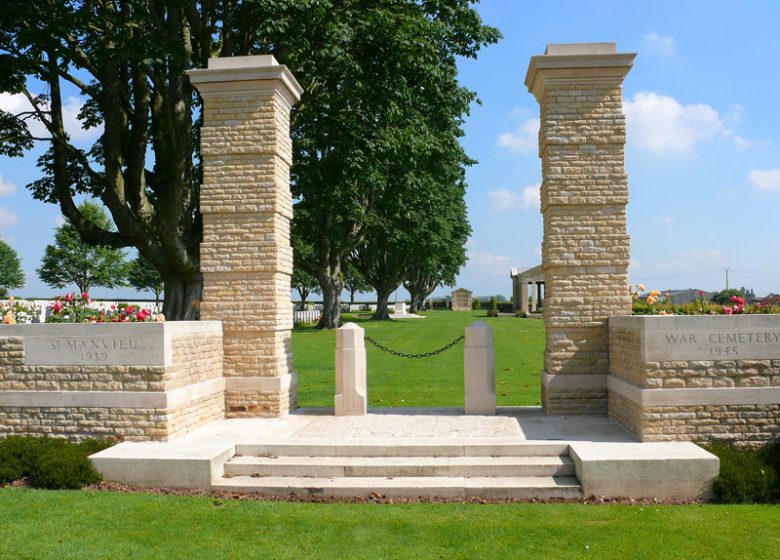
[246, 254]
[196, 357]
[744, 424]
[584, 192]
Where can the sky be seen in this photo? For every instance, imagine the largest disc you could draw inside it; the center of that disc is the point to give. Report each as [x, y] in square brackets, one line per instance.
[702, 156]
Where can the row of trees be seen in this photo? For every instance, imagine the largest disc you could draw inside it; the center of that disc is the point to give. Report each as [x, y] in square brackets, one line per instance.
[378, 169]
[69, 260]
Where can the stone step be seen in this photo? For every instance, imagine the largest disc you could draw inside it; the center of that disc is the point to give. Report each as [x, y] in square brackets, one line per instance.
[399, 466]
[517, 488]
[395, 448]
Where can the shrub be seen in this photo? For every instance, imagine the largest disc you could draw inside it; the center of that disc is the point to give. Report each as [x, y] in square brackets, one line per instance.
[746, 476]
[506, 307]
[493, 311]
[49, 462]
[476, 305]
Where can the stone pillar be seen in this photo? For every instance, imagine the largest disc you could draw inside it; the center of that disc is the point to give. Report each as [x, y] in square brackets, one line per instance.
[585, 252]
[245, 200]
[351, 395]
[524, 296]
[479, 370]
[533, 296]
[539, 296]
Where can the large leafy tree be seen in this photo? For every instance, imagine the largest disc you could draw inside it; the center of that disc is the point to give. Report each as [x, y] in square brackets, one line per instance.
[365, 65]
[142, 276]
[305, 284]
[390, 92]
[128, 59]
[11, 275]
[354, 281]
[72, 261]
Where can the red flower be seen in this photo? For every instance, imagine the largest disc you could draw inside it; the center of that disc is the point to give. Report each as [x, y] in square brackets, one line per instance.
[69, 297]
[85, 296]
[57, 307]
[129, 309]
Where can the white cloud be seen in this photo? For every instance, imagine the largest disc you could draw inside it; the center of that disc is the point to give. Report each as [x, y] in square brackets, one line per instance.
[662, 125]
[489, 260]
[504, 200]
[524, 140]
[706, 255]
[6, 188]
[17, 103]
[667, 219]
[765, 179]
[60, 221]
[8, 218]
[661, 44]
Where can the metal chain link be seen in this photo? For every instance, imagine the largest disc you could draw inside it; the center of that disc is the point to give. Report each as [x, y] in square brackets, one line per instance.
[425, 355]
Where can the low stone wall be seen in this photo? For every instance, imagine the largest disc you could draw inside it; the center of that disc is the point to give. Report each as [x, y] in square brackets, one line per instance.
[128, 381]
[696, 378]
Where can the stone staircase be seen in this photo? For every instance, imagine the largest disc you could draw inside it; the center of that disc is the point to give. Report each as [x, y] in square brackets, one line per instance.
[522, 471]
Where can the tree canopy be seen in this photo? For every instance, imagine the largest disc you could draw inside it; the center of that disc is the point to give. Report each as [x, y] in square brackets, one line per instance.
[380, 84]
[70, 260]
[144, 277]
[11, 274]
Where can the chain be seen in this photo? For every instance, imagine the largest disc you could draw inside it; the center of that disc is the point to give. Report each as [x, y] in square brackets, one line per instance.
[425, 355]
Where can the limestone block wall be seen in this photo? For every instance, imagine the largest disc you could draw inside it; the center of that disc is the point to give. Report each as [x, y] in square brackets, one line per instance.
[125, 381]
[584, 192]
[246, 255]
[699, 378]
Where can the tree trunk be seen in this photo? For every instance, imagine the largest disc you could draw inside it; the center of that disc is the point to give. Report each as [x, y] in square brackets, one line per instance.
[331, 301]
[352, 297]
[382, 313]
[182, 298]
[303, 293]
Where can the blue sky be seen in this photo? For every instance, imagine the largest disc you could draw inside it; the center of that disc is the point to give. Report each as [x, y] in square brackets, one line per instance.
[703, 153]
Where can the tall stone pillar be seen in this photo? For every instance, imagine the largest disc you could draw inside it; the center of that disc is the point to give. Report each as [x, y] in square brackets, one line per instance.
[245, 200]
[585, 251]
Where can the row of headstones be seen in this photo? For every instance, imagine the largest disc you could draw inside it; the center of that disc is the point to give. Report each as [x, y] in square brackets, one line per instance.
[479, 371]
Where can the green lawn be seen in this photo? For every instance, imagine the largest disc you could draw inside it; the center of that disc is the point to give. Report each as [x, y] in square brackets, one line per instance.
[436, 381]
[82, 525]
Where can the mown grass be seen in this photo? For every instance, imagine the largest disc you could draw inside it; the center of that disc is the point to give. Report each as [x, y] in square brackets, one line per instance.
[436, 381]
[58, 525]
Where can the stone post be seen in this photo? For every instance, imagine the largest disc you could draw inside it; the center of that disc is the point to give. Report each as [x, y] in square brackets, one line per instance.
[533, 297]
[479, 370]
[585, 252]
[245, 200]
[351, 395]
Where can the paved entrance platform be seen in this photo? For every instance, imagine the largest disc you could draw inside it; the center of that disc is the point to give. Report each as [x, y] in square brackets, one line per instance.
[520, 453]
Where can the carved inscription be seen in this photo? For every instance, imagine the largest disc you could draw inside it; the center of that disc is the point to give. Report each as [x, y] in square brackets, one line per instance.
[94, 350]
[756, 344]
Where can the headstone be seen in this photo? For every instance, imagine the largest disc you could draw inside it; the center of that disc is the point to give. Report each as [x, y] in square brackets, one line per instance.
[400, 308]
[351, 396]
[479, 370]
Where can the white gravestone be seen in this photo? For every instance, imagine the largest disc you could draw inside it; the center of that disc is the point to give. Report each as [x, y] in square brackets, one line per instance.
[351, 395]
[479, 370]
[400, 308]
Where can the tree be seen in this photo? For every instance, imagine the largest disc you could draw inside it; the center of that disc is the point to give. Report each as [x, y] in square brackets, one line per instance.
[397, 93]
[364, 65]
[142, 276]
[73, 261]
[11, 275]
[304, 283]
[354, 281]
